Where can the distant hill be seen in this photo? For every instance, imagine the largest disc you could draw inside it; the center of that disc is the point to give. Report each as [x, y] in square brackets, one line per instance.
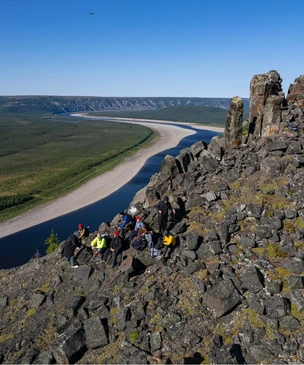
[68, 104]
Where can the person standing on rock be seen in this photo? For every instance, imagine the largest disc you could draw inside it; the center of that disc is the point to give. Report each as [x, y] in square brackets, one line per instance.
[163, 211]
[68, 250]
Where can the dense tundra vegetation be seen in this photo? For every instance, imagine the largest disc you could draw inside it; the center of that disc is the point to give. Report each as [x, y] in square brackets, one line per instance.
[41, 158]
[195, 114]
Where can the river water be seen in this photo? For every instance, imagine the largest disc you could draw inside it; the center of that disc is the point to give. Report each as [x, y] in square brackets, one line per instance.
[20, 247]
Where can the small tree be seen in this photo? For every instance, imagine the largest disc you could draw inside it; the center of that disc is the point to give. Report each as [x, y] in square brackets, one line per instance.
[53, 242]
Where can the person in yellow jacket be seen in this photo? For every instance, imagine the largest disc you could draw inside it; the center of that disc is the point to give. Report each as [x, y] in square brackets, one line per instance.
[169, 242]
[99, 245]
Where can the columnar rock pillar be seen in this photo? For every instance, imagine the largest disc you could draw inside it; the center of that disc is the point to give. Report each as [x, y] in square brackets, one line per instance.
[266, 101]
[233, 127]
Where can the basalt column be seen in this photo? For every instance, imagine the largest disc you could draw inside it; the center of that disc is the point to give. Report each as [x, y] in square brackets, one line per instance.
[266, 101]
[233, 127]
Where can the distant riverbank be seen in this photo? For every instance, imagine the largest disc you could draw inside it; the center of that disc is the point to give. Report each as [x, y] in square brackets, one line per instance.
[105, 184]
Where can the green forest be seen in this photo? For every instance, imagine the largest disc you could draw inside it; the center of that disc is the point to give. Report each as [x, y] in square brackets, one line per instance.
[41, 158]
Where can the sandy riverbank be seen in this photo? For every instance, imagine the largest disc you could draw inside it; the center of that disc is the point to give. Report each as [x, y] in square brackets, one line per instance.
[103, 185]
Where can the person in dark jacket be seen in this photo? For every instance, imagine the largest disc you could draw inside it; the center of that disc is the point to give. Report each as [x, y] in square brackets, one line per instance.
[68, 249]
[163, 211]
[114, 249]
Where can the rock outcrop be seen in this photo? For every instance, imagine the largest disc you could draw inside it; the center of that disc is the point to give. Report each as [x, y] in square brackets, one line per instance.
[230, 292]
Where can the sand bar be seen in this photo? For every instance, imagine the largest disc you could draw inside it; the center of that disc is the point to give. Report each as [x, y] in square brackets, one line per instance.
[105, 184]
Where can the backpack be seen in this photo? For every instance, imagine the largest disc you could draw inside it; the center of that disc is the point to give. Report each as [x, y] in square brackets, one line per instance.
[139, 244]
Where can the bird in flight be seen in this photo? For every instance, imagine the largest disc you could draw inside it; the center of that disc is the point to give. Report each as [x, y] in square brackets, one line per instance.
[91, 13]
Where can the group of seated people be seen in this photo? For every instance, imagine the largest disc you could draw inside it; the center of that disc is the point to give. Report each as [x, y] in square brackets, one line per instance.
[133, 232]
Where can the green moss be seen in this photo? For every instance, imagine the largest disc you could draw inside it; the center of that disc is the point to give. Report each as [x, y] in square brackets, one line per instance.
[299, 245]
[134, 336]
[6, 336]
[270, 252]
[279, 273]
[236, 185]
[295, 312]
[227, 339]
[268, 188]
[113, 313]
[245, 317]
[49, 335]
[299, 223]
[45, 288]
[117, 289]
[269, 213]
[273, 252]
[144, 289]
[110, 351]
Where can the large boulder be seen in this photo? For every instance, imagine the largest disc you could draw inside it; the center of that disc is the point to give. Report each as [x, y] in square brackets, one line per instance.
[262, 86]
[222, 298]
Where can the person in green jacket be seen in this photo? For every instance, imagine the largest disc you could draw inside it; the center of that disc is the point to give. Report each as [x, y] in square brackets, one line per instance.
[99, 245]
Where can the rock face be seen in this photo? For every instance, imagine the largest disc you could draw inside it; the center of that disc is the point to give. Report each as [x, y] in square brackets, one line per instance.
[231, 290]
[234, 123]
[68, 104]
[266, 98]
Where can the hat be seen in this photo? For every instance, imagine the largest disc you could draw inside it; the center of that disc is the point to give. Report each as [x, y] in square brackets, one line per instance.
[116, 233]
[122, 213]
[166, 232]
[166, 199]
[80, 225]
[137, 217]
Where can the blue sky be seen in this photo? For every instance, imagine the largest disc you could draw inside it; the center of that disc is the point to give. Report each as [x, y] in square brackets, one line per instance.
[191, 48]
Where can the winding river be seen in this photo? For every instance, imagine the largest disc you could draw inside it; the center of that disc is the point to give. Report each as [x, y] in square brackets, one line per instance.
[18, 248]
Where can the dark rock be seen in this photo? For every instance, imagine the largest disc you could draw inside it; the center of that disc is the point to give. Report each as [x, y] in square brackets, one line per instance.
[36, 300]
[257, 354]
[222, 298]
[95, 333]
[82, 274]
[189, 254]
[228, 354]
[252, 278]
[277, 307]
[155, 341]
[70, 347]
[295, 282]
[73, 305]
[289, 323]
[193, 241]
[294, 265]
[129, 354]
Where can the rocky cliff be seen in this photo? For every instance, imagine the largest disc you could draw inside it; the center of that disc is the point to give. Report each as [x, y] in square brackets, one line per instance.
[232, 289]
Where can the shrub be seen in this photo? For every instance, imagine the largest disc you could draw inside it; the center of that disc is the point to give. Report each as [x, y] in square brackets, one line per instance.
[52, 241]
